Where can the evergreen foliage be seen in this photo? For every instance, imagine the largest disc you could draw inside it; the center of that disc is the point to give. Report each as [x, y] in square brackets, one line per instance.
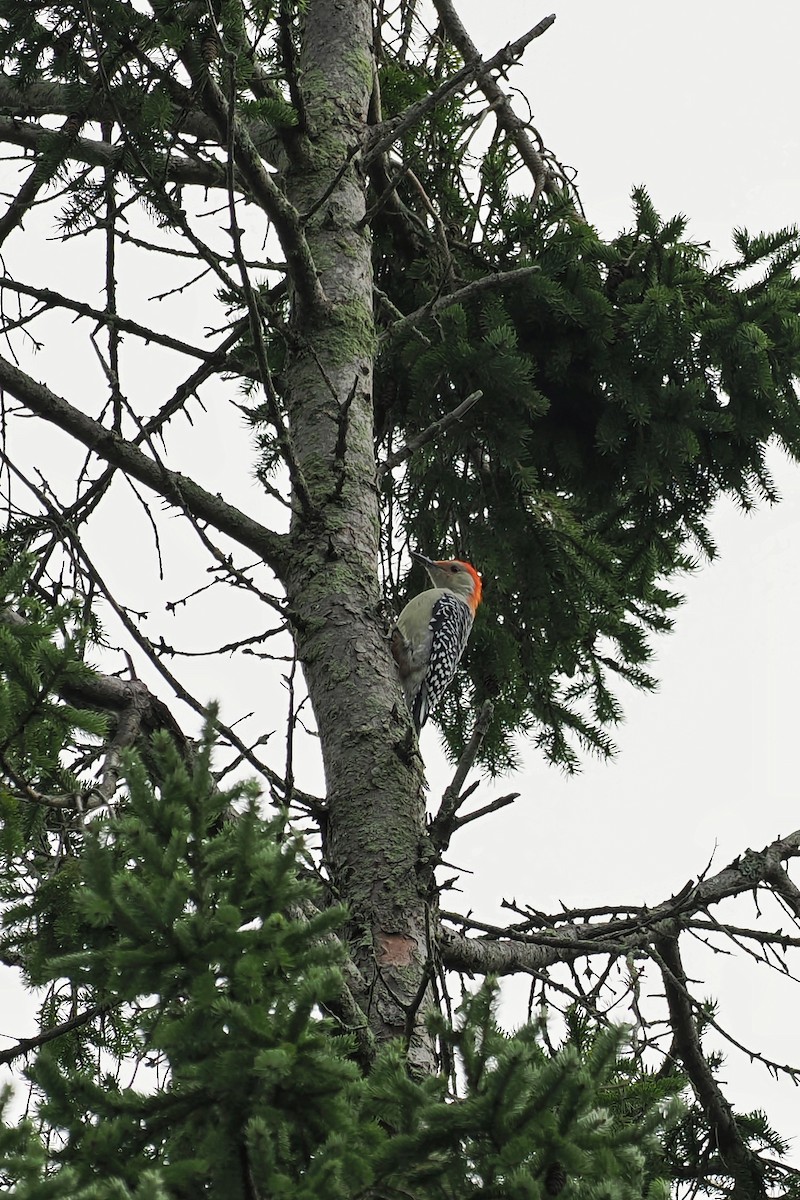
[189, 973]
[42, 653]
[46, 748]
[178, 927]
[218, 1068]
[626, 385]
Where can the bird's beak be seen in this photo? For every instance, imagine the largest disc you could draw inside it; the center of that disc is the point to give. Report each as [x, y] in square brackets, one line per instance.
[426, 562]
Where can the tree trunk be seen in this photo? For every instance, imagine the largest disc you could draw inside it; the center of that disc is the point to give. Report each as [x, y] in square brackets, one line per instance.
[375, 825]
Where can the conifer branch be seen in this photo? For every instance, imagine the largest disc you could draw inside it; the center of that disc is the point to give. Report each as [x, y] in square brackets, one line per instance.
[518, 949]
[84, 504]
[428, 435]
[132, 716]
[474, 66]
[125, 736]
[51, 299]
[344, 1006]
[506, 118]
[259, 81]
[737, 1156]
[438, 225]
[110, 694]
[38, 177]
[42, 98]
[81, 800]
[171, 168]
[25, 1045]
[497, 281]
[386, 195]
[290, 65]
[177, 489]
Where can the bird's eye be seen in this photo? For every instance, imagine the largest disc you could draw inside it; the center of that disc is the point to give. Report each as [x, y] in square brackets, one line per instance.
[454, 569]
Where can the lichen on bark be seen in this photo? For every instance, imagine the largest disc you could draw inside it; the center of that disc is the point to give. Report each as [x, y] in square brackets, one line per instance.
[373, 772]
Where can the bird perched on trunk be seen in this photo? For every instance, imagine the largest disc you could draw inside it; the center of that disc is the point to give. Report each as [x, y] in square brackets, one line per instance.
[432, 631]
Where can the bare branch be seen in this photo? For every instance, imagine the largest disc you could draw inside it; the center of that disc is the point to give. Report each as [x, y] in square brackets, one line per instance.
[492, 806]
[282, 434]
[427, 435]
[507, 951]
[108, 693]
[38, 178]
[174, 487]
[506, 118]
[443, 824]
[389, 131]
[782, 884]
[172, 168]
[284, 216]
[737, 1156]
[25, 1045]
[111, 320]
[112, 694]
[487, 283]
[138, 710]
[84, 504]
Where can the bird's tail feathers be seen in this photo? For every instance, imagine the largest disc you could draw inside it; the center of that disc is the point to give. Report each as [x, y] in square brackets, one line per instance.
[420, 709]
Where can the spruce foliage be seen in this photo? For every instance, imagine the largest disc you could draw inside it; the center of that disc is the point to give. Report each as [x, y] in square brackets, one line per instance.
[220, 1072]
[627, 382]
[189, 973]
[626, 385]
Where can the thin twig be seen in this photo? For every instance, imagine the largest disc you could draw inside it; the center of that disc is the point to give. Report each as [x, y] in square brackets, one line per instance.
[25, 1045]
[264, 188]
[384, 198]
[111, 320]
[411, 447]
[474, 66]
[488, 283]
[500, 802]
[281, 432]
[512, 950]
[39, 177]
[504, 113]
[442, 825]
[177, 489]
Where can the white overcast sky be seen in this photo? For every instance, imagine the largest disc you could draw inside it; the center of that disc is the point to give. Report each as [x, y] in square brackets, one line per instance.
[698, 101]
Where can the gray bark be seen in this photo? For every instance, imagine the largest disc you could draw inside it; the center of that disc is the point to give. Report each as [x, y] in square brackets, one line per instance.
[373, 771]
[374, 834]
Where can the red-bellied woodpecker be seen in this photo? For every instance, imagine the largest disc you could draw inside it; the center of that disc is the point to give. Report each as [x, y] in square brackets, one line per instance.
[432, 631]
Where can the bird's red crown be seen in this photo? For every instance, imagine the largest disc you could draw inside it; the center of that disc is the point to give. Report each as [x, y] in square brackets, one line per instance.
[474, 598]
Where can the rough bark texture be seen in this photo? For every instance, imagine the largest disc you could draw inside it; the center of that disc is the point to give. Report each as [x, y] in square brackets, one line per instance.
[374, 775]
